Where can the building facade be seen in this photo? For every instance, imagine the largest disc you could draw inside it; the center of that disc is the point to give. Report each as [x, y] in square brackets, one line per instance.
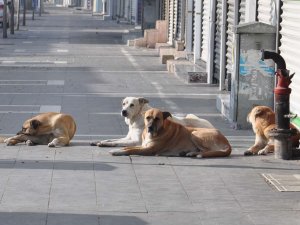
[207, 28]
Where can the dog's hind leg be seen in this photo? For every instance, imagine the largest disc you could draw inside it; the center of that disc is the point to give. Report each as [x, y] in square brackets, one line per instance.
[211, 143]
[193, 154]
[267, 149]
[60, 141]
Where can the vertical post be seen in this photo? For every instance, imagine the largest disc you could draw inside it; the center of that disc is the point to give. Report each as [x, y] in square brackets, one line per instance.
[189, 27]
[12, 17]
[33, 9]
[129, 19]
[40, 9]
[211, 42]
[234, 80]
[223, 47]
[182, 19]
[136, 12]
[198, 30]
[5, 19]
[103, 7]
[24, 12]
[18, 14]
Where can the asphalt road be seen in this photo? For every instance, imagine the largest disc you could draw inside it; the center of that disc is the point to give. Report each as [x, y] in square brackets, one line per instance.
[69, 61]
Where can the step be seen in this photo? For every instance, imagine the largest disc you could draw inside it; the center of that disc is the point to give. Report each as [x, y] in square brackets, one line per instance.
[131, 35]
[187, 71]
[140, 42]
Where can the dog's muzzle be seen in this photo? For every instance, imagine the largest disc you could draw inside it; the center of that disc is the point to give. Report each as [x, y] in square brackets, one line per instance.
[124, 113]
[150, 129]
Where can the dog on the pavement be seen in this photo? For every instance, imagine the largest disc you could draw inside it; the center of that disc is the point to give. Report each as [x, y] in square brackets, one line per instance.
[165, 137]
[53, 129]
[133, 109]
[262, 119]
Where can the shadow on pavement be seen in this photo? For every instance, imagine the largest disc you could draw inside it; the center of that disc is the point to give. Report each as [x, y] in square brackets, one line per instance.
[57, 165]
[27, 218]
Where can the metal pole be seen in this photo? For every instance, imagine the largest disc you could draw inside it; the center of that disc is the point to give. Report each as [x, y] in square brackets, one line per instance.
[12, 17]
[5, 19]
[24, 12]
[33, 9]
[18, 15]
[40, 11]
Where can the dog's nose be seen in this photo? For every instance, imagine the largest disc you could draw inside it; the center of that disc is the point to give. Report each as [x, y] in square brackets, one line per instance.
[150, 129]
[124, 113]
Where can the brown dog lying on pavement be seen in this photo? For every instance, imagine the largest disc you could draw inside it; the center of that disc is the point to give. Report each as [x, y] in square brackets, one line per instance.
[54, 129]
[262, 119]
[167, 138]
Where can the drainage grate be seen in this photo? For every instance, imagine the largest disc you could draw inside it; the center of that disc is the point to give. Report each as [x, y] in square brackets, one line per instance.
[284, 183]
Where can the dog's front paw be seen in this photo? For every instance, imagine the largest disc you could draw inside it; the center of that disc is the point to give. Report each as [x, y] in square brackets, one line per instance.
[190, 154]
[94, 143]
[263, 152]
[29, 143]
[117, 152]
[106, 144]
[6, 141]
[51, 145]
[248, 153]
[9, 142]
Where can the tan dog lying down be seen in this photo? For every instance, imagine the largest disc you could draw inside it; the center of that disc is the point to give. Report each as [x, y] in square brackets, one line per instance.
[133, 109]
[262, 119]
[167, 138]
[54, 129]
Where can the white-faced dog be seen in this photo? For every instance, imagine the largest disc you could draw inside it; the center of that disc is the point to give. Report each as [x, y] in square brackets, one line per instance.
[133, 109]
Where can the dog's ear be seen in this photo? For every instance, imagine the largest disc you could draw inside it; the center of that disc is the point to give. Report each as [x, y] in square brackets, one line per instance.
[143, 101]
[166, 115]
[258, 112]
[35, 124]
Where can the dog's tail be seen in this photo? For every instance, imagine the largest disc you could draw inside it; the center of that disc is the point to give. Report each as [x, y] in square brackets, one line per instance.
[191, 116]
[2, 139]
[195, 121]
[217, 153]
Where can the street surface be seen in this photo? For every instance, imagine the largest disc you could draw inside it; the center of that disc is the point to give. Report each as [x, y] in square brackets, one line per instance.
[69, 61]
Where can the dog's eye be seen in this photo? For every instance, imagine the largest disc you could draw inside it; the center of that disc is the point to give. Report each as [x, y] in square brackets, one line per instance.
[131, 105]
[148, 118]
[156, 119]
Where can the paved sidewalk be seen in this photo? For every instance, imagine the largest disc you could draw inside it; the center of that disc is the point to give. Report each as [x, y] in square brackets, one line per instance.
[85, 185]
